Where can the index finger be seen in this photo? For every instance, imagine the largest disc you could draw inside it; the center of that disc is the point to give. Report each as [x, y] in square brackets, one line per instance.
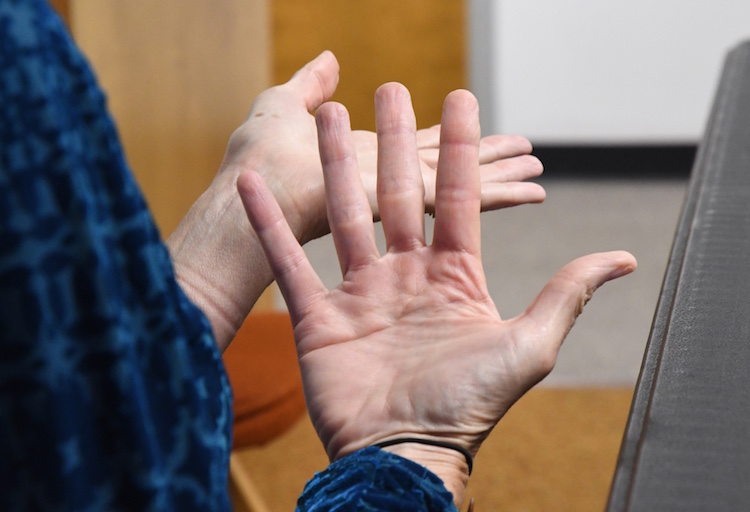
[297, 280]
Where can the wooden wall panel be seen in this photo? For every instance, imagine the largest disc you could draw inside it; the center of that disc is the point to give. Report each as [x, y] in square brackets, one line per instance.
[180, 76]
[420, 43]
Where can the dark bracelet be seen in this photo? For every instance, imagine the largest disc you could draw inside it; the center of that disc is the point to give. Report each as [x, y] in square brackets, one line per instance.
[463, 451]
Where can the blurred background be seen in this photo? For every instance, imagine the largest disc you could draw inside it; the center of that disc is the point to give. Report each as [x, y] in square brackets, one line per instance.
[614, 97]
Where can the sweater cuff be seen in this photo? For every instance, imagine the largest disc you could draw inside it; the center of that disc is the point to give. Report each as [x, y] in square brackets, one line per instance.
[372, 479]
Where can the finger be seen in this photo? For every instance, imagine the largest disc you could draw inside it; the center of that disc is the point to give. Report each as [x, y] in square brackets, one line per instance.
[553, 313]
[316, 81]
[498, 147]
[506, 195]
[496, 196]
[502, 184]
[492, 149]
[296, 278]
[349, 213]
[429, 137]
[517, 168]
[400, 186]
[429, 157]
[458, 189]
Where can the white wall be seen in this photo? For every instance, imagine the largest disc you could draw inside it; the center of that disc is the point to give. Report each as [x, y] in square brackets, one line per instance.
[589, 71]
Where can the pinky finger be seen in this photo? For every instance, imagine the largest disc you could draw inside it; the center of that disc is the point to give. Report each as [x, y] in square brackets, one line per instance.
[296, 278]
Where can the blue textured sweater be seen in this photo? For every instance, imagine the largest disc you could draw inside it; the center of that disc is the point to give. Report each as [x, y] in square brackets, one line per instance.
[112, 392]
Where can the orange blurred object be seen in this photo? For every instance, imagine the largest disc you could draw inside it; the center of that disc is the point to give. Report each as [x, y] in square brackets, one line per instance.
[265, 379]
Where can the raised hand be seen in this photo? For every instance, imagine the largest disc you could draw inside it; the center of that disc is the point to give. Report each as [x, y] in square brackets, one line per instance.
[217, 257]
[278, 140]
[410, 344]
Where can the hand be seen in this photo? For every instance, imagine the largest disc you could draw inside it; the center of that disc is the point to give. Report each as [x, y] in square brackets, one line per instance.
[505, 163]
[217, 257]
[279, 141]
[410, 344]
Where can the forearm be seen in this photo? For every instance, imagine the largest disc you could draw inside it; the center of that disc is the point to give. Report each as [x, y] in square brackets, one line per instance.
[223, 271]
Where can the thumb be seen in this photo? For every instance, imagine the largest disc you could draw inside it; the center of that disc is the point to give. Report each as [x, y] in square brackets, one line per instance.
[554, 311]
[316, 82]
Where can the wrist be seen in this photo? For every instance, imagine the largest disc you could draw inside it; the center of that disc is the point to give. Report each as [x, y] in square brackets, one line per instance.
[449, 464]
[218, 260]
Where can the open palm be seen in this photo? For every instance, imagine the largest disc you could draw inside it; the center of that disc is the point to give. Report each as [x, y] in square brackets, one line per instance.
[218, 260]
[410, 344]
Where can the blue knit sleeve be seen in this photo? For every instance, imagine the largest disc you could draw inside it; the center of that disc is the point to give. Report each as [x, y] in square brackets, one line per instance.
[112, 392]
[375, 480]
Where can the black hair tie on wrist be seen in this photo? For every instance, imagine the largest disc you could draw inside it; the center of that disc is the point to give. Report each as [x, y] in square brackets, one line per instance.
[460, 449]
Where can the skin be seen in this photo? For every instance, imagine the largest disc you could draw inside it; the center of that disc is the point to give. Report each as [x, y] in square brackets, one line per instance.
[410, 344]
[216, 254]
